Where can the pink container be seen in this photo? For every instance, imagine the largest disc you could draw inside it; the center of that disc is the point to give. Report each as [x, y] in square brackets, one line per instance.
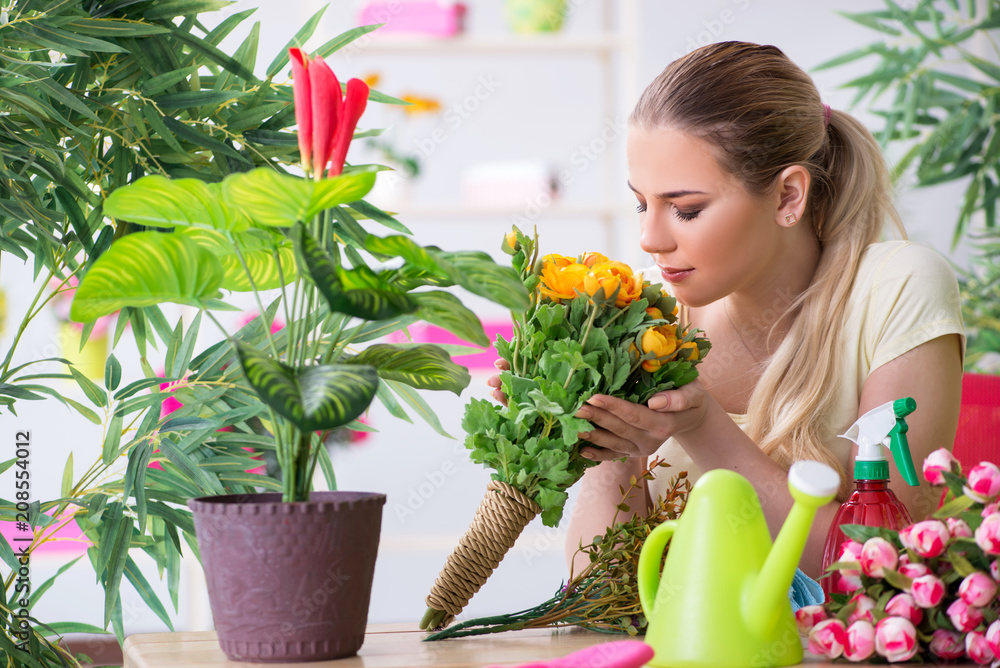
[423, 17]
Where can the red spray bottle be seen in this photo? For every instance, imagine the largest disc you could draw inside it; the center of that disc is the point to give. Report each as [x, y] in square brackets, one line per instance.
[872, 503]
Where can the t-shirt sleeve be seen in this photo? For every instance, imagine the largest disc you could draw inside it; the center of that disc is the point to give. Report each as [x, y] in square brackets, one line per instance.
[914, 299]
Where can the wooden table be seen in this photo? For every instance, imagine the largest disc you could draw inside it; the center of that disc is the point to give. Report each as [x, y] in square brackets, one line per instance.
[386, 646]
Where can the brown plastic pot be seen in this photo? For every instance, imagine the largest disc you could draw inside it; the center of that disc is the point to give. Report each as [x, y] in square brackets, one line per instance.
[289, 581]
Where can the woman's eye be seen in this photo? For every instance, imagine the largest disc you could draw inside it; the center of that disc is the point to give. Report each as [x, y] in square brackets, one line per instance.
[641, 208]
[686, 215]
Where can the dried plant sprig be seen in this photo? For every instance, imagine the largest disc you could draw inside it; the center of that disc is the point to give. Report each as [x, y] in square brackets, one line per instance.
[604, 595]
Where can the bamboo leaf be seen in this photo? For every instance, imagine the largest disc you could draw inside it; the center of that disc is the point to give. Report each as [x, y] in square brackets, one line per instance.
[113, 28]
[141, 585]
[197, 138]
[67, 479]
[314, 398]
[112, 373]
[92, 390]
[147, 268]
[251, 479]
[198, 98]
[112, 439]
[189, 466]
[300, 38]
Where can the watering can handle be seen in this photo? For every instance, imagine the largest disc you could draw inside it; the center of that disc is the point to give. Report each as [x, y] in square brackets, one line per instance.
[649, 564]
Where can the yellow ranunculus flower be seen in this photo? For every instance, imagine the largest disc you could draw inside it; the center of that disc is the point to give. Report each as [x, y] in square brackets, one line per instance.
[591, 258]
[694, 350]
[561, 282]
[557, 260]
[655, 313]
[511, 238]
[662, 342]
[611, 275]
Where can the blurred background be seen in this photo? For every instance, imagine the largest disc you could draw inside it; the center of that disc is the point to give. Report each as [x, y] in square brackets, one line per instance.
[504, 128]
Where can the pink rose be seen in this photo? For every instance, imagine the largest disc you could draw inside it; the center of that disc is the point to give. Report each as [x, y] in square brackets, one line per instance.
[877, 554]
[988, 534]
[809, 616]
[903, 605]
[958, 528]
[990, 508]
[828, 638]
[995, 570]
[977, 648]
[978, 589]
[929, 538]
[863, 611]
[927, 591]
[984, 482]
[860, 641]
[914, 570]
[963, 616]
[993, 637]
[938, 461]
[896, 639]
[947, 644]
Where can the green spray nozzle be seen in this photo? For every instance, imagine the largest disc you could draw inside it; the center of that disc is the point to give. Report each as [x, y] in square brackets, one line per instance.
[884, 426]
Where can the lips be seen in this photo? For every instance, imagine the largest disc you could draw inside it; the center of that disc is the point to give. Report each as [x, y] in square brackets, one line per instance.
[672, 275]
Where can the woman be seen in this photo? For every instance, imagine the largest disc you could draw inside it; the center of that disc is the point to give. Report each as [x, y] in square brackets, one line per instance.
[763, 210]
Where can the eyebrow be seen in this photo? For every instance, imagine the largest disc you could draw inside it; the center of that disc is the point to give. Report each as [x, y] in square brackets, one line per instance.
[668, 195]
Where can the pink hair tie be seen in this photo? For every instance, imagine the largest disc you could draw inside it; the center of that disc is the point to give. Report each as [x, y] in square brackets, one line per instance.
[826, 115]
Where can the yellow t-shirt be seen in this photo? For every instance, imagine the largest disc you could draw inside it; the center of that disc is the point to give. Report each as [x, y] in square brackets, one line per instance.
[905, 295]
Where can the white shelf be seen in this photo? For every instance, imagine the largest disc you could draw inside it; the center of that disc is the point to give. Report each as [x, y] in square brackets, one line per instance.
[556, 43]
[459, 210]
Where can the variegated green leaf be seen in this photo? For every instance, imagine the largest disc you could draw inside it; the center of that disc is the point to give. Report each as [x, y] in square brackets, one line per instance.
[447, 311]
[157, 201]
[317, 397]
[423, 366]
[358, 292]
[143, 269]
[279, 200]
[259, 258]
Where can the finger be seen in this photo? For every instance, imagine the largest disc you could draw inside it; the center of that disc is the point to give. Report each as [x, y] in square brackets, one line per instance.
[681, 399]
[630, 421]
[502, 364]
[599, 454]
[609, 445]
[493, 381]
[499, 396]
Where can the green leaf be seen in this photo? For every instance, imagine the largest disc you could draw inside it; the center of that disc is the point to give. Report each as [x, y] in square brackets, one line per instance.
[112, 439]
[357, 292]
[67, 479]
[94, 393]
[156, 201]
[954, 507]
[112, 373]
[423, 366]
[197, 138]
[147, 268]
[315, 398]
[113, 28]
[141, 585]
[417, 403]
[448, 312]
[189, 466]
[300, 38]
[280, 200]
[199, 98]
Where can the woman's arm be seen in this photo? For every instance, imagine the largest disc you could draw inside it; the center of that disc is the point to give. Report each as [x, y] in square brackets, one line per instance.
[930, 373]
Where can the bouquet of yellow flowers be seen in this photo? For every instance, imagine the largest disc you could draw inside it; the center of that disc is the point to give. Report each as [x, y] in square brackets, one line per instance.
[593, 326]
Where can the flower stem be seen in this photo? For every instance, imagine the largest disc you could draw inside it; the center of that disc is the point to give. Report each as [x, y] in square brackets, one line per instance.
[583, 342]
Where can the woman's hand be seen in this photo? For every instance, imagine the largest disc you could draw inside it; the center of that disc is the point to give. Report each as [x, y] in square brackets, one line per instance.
[634, 430]
[494, 381]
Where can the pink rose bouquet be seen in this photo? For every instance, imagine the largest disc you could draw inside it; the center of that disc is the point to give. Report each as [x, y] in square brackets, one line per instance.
[928, 592]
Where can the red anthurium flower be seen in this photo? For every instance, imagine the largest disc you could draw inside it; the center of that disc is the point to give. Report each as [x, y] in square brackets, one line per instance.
[326, 109]
[303, 104]
[325, 118]
[354, 106]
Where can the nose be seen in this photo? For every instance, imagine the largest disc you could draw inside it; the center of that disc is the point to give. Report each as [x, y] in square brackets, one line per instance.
[654, 233]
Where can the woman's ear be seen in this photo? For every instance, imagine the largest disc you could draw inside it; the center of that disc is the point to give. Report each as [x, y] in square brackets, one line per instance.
[792, 191]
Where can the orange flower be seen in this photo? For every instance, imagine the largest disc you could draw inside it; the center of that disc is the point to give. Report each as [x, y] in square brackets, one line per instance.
[614, 276]
[511, 238]
[693, 348]
[661, 341]
[655, 313]
[561, 282]
[592, 258]
[557, 260]
[420, 105]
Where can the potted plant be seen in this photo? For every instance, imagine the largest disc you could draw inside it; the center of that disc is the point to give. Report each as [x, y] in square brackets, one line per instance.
[339, 285]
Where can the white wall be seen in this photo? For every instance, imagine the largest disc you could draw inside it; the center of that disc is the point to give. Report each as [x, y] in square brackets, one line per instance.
[544, 107]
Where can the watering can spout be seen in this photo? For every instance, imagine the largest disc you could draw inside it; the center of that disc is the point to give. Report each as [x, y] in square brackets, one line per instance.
[812, 485]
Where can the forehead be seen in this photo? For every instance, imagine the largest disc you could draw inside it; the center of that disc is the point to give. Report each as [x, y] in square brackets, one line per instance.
[667, 159]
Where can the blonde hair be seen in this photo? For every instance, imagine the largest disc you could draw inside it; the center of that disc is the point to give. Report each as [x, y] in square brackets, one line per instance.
[762, 113]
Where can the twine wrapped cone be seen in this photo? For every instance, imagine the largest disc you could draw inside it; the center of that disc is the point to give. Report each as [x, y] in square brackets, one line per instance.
[501, 517]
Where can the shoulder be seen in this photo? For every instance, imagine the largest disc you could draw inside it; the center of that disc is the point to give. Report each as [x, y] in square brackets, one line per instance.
[896, 260]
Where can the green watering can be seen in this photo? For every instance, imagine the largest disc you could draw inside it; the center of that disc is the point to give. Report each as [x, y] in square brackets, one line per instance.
[722, 599]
